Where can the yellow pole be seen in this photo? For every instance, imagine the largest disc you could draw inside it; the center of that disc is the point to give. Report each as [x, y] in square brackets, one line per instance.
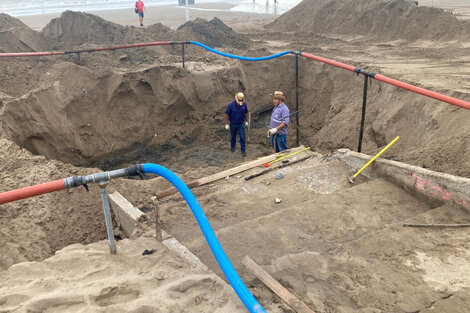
[374, 158]
[279, 159]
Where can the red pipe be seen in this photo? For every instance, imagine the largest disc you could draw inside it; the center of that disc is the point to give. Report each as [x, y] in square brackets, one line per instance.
[32, 191]
[394, 82]
[424, 92]
[37, 54]
[145, 44]
[327, 61]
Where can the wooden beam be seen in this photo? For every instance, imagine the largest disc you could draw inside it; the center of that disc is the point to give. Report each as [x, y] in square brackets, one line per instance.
[296, 304]
[272, 168]
[217, 176]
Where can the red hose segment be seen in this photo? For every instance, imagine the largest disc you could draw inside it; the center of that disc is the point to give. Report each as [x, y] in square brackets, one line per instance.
[38, 54]
[327, 61]
[32, 191]
[145, 44]
[424, 92]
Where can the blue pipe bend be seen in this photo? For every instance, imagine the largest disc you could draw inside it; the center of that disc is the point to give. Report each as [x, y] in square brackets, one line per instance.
[243, 293]
[233, 56]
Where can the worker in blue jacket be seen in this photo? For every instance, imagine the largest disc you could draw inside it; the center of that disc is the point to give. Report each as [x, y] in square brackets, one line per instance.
[237, 114]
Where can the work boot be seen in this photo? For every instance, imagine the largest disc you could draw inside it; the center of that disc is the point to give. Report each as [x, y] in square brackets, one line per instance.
[232, 150]
[244, 153]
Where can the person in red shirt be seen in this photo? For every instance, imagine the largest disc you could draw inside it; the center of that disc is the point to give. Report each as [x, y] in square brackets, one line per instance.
[139, 7]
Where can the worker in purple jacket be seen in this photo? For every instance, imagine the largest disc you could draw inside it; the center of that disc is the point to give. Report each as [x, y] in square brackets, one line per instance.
[279, 122]
[237, 113]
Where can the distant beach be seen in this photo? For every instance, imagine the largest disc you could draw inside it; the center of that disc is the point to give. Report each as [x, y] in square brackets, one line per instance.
[170, 16]
[20, 8]
[166, 12]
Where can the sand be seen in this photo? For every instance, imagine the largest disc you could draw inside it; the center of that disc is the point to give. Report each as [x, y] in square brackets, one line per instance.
[337, 247]
[88, 279]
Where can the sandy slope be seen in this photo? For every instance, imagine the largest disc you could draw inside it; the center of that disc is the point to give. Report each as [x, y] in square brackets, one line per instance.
[86, 278]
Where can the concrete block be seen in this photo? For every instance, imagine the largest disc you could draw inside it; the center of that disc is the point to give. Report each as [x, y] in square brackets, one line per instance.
[434, 186]
[125, 213]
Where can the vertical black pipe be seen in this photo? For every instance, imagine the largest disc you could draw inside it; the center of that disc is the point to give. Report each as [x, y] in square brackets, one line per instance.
[364, 103]
[297, 97]
[183, 55]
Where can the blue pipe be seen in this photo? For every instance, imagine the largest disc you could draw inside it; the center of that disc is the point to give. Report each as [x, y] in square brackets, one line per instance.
[243, 293]
[240, 57]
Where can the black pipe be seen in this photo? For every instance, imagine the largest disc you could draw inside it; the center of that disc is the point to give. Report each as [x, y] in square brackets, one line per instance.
[297, 96]
[302, 135]
[363, 117]
[183, 54]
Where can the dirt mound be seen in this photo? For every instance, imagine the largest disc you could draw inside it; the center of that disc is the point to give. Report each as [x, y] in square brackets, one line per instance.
[94, 281]
[385, 20]
[34, 228]
[7, 21]
[213, 33]
[73, 29]
[17, 37]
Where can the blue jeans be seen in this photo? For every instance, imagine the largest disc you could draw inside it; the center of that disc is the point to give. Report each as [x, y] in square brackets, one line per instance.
[240, 128]
[281, 142]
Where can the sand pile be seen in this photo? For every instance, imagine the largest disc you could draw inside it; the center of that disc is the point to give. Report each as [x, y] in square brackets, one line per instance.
[213, 33]
[88, 279]
[7, 21]
[73, 29]
[17, 37]
[379, 19]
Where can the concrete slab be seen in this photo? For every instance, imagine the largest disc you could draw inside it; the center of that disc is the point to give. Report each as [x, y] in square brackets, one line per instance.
[433, 186]
[125, 213]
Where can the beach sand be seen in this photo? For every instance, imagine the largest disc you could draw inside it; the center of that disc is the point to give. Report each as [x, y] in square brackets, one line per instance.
[87, 278]
[344, 251]
[171, 16]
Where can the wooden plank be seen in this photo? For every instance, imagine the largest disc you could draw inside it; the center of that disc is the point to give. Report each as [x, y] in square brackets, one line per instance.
[272, 168]
[296, 304]
[220, 175]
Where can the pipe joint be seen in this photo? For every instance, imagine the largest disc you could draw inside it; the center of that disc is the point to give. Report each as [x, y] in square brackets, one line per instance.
[134, 170]
[75, 181]
[358, 71]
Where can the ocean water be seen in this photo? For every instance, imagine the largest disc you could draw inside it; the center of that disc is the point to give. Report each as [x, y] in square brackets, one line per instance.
[18, 8]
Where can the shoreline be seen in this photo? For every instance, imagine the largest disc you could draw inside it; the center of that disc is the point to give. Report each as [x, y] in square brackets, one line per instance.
[170, 16]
